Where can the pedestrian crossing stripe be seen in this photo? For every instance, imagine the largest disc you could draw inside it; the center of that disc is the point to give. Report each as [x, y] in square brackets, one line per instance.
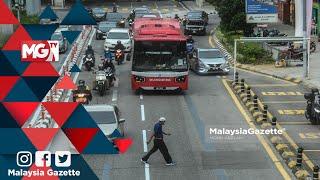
[289, 93]
[291, 112]
[310, 135]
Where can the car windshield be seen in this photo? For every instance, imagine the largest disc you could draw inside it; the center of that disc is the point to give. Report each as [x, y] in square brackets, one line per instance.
[57, 36]
[98, 11]
[114, 16]
[106, 26]
[194, 15]
[210, 54]
[160, 56]
[118, 35]
[103, 117]
[141, 14]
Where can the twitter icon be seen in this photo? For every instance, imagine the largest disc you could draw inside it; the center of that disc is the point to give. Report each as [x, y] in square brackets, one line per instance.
[63, 158]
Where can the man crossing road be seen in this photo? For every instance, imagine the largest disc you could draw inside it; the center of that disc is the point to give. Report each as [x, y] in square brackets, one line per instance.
[158, 143]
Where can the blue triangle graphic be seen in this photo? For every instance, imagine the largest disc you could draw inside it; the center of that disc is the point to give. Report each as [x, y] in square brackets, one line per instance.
[77, 163]
[15, 140]
[21, 93]
[100, 145]
[14, 57]
[7, 121]
[115, 134]
[40, 85]
[48, 13]
[6, 69]
[70, 35]
[80, 118]
[9, 161]
[40, 31]
[78, 15]
[75, 68]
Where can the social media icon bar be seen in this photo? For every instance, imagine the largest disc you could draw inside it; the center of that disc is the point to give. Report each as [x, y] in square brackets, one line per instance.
[62, 158]
[43, 158]
[24, 159]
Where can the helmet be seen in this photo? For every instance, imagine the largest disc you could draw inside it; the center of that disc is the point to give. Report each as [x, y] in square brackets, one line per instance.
[118, 42]
[162, 119]
[89, 46]
[81, 82]
[100, 66]
[190, 37]
[107, 49]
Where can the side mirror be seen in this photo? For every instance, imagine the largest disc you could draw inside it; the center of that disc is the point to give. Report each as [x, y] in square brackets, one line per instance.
[308, 96]
[121, 121]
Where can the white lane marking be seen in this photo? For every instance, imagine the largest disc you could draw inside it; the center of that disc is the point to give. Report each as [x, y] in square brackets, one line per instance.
[145, 149]
[141, 97]
[144, 136]
[142, 112]
[114, 95]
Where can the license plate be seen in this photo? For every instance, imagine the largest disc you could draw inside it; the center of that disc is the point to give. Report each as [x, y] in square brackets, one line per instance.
[159, 88]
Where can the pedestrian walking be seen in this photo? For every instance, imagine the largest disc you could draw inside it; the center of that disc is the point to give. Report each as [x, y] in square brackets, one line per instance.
[158, 143]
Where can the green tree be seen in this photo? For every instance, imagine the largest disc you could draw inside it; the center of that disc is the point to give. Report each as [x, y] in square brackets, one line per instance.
[233, 15]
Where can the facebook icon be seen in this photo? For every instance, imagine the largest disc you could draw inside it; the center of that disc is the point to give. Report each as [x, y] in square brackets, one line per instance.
[43, 158]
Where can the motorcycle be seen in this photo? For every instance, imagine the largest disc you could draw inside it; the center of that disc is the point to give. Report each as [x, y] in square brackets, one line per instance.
[312, 112]
[119, 56]
[130, 22]
[189, 49]
[101, 83]
[88, 61]
[82, 97]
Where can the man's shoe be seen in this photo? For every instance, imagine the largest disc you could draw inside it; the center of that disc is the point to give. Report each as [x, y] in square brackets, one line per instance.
[170, 164]
[146, 162]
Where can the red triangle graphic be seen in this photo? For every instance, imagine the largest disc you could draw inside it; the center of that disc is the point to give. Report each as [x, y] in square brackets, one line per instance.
[40, 137]
[80, 137]
[123, 144]
[6, 15]
[15, 40]
[60, 111]
[44, 169]
[40, 69]
[6, 84]
[21, 111]
[66, 83]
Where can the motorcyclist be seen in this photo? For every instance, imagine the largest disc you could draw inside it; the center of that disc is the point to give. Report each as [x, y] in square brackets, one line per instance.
[114, 8]
[89, 50]
[176, 17]
[82, 86]
[108, 54]
[108, 63]
[190, 39]
[119, 45]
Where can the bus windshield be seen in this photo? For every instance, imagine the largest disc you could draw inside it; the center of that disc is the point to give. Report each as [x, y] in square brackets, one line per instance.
[159, 56]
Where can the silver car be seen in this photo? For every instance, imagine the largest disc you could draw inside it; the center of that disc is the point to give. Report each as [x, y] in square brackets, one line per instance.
[207, 61]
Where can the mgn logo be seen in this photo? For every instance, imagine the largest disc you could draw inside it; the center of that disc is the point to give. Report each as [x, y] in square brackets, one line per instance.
[40, 51]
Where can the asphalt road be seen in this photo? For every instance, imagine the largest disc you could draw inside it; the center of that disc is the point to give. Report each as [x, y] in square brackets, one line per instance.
[206, 104]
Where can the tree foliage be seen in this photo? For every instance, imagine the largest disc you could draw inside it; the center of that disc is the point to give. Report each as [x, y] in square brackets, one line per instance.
[233, 15]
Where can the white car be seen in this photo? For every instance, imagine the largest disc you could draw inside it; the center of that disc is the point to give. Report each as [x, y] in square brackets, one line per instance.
[107, 118]
[118, 34]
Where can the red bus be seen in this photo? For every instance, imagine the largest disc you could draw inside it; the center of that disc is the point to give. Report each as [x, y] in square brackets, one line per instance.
[159, 60]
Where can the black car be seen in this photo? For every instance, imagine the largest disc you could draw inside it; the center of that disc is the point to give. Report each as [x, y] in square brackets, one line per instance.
[196, 22]
[103, 28]
[117, 18]
[98, 14]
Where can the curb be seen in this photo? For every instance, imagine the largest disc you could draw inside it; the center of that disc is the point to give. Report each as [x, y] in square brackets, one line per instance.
[250, 67]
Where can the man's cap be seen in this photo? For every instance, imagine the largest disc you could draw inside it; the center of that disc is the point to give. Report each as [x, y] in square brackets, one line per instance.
[162, 119]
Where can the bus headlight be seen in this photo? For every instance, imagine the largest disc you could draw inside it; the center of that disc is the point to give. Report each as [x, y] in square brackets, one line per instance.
[139, 79]
[181, 79]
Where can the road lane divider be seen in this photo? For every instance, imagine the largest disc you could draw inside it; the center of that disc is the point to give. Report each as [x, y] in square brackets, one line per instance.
[281, 93]
[283, 143]
[145, 149]
[143, 118]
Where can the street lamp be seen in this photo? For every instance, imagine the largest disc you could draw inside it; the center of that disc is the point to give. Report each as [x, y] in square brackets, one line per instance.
[18, 5]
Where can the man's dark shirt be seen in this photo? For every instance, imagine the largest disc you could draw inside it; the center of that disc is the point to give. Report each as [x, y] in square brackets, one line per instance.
[158, 133]
[119, 46]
